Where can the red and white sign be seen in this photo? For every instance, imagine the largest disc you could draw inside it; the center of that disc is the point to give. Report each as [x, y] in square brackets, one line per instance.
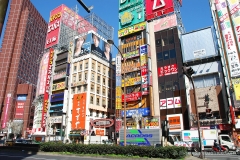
[19, 110]
[46, 93]
[156, 8]
[118, 125]
[167, 70]
[6, 110]
[166, 22]
[53, 27]
[132, 97]
[173, 102]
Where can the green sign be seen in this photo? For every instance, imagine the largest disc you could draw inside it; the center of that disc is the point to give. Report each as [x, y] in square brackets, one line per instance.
[131, 12]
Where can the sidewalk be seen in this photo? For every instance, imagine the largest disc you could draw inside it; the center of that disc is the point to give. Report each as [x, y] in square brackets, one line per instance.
[194, 158]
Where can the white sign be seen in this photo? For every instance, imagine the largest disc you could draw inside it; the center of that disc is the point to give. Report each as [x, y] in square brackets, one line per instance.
[199, 53]
[173, 102]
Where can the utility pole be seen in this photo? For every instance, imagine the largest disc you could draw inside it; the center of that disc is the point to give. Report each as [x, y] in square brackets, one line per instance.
[88, 9]
[188, 71]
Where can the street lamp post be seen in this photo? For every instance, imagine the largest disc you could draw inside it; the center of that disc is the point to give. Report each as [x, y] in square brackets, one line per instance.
[188, 71]
[124, 92]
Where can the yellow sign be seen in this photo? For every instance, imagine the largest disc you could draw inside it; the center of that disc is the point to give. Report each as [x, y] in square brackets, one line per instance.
[126, 18]
[132, 29]
[237, 91]
[132, 81]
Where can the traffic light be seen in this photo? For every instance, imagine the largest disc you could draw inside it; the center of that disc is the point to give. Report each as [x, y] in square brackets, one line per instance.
[188, 71]
[208, 111]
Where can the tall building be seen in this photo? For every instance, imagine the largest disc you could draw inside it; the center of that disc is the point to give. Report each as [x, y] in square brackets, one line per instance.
[226, 18]
[23, 44]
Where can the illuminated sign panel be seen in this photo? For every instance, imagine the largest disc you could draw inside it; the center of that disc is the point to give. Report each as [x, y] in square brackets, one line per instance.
[131, 12]
[156, 8]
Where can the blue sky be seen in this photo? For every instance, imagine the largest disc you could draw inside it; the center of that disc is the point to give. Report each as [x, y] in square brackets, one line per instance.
[195, 13]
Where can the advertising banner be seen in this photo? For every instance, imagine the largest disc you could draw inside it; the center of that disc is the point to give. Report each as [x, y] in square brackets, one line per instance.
[58, 86]
[132, 81]
[144, 69]
[156, 8]
[99, 132]
[143, 111]
[118, 66]
[19, 110]
[141, 137]
[53, 27]
[94, 43]
[131, 67]
[167, 70]
[234, 8]
[118, 125]
[132, 29]
[79, 111]
[47, 86]
[131, 12]
[119, 98]
[43, 73]
[169, 103]
[151, 123]
[236, 85]
[132, 96]
[230, 44]
[175, 122]
[166, 22]
[6, 110]
[59, 75]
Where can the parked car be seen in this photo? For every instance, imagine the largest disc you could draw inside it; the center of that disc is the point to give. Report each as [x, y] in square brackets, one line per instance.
[21, 141]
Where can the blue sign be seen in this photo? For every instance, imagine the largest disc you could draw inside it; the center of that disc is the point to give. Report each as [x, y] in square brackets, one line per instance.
[143, 111]
[143, 49]
[118, 81]
[22, 97]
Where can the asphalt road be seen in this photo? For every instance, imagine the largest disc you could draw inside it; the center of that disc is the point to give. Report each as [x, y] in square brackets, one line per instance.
[25, 156]
[222, 156]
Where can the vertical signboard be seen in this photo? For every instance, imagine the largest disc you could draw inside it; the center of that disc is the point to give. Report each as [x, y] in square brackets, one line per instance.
[53, 27]
[118, 82]
[46, 92]
[228, 36]
[131, 12]
[234, 8]
[42, 74]
[144, 69]
[79, 111]
[6, 110]
[156, 8]
[19, 110]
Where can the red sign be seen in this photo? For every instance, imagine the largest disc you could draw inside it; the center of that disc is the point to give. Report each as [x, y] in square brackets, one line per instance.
[6, 110]
[46, 92]
[19, 110]
[53, 27]
[118, 125]
[144, 70]
[156, 8]
[132, 97]
[99, 132]
[167, 70]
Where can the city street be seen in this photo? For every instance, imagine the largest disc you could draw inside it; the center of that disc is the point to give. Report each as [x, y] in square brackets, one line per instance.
[212, 156]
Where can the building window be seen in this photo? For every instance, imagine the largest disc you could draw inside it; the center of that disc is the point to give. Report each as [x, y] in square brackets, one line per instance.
[98, 90]
[85, 87]
[104, 92]
[86, 76]
[93, 66]
[80, 77]
[86, 65]
[79, 88]
[91, 100]
[98, 68]
[92, 88]
[74, 79]
[75, 68]
[98, 101]
[92, 77]
[104, 103]
[98, 79]
[91, 113]
[73, 90]
[104, 71]
[97, 113]
[103, 81]
[206, 81]
[80, 67]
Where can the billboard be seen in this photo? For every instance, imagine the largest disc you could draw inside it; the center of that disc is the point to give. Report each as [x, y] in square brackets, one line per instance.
[42, 74]
[143, 111]
[92, 42]
[131, 12]
[198, 45]
[151, 123]
[79, 111]
[169, 103]
[228, 37]
[47, 86]
[53, 27]
[144, 69]
[164, 23]
[167, 70]
[118, 97]
[6, 110]
[132, 81]
[132, 96]
[118, 125]
[141, 137]
[175, 122]
[19, 110]
[132, 29]
[156, 8]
